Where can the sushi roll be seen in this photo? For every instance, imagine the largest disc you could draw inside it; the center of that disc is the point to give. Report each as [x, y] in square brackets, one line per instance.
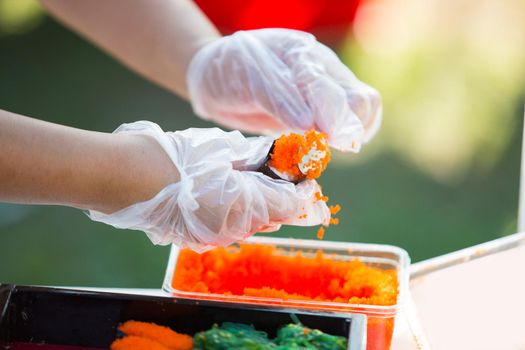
[297, 157]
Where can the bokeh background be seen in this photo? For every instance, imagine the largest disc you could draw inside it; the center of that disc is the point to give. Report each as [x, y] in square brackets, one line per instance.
[442, 174]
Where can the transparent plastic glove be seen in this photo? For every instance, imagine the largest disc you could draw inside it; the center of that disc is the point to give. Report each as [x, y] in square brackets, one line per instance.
[219, 199]
[275, 80]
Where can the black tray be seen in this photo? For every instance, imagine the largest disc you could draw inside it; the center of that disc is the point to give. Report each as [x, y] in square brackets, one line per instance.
[90, 319]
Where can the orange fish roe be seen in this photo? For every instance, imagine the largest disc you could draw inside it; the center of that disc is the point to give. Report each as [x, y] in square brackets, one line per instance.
[164, 336]
[320, 197]
[136, 343]
[265, 271]
[334, 221]
[320, 232]
[289, 151]
[334, 209]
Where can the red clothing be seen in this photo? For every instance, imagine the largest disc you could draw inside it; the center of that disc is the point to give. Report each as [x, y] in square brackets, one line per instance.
[329, 20]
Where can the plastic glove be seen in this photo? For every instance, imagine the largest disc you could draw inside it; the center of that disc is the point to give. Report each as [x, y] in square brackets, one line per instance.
[275, 80]
[220, 199]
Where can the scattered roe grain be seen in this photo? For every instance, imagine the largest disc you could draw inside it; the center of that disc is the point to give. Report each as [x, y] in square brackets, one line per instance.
[265, 271]
[320, 232]
[334, 209]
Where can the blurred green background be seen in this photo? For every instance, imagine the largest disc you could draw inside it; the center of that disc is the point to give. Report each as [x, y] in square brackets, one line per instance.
[442, 174]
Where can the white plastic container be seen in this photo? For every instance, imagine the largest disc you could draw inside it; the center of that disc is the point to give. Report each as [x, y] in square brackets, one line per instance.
[380, 318]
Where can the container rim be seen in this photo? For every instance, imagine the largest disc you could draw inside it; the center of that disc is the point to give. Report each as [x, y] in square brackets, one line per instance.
[402, 265]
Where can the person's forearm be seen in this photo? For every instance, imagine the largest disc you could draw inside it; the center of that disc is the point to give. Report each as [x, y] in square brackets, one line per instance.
[156, 38]
[45, 163]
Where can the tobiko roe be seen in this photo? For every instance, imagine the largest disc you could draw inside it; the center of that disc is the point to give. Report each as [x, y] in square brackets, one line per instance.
[297, 157]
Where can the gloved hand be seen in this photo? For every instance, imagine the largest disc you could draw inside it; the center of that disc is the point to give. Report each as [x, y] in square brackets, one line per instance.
[276, 80]
[220, 199]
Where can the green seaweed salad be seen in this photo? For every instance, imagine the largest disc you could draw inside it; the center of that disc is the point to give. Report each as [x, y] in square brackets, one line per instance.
[244, 337]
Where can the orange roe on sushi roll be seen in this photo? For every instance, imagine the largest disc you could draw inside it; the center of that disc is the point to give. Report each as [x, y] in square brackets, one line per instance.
[300, 156]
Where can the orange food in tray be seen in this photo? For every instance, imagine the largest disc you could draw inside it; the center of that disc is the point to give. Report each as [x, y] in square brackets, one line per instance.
[262, 271]
[150, 336]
